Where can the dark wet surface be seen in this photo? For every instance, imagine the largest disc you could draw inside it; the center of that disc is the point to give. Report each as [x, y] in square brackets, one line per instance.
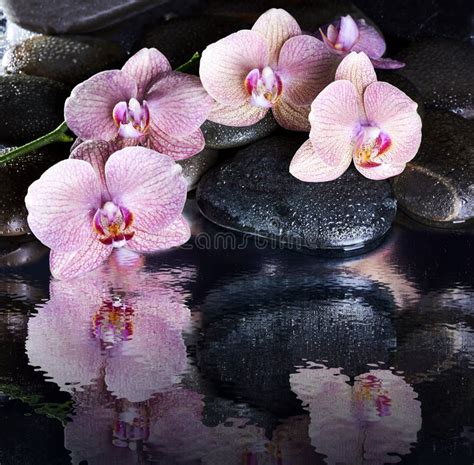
[230, 351]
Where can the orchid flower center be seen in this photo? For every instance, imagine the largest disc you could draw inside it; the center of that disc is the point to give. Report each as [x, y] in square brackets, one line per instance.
[113, 323]
[371, 143]
[113, 224]
[264, 87]
[132, 119]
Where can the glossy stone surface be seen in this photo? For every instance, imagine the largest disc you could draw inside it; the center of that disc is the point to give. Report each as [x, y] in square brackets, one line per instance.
[442, 70]
[69, 59]
[438, 185]
[255, 193]
[195, 167]
[31, 107]
[219, 136]
[15, 178]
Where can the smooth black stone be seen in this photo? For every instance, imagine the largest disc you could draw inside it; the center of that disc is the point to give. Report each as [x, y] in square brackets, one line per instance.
[69, 59]
[437, 186]
[442, 70]
[195, 167]
[421, 18]
[15, 178]
[32, 106]
[219, 136]
[288, 317]
[310, 15]
[16, 252]
[255, 193]
[179, 38]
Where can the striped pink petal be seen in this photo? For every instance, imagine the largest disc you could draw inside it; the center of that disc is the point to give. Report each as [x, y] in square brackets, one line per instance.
[95, 152]
[244, 114]
[178, 104]
[370, 40]
[149, 184]
[307, 166]
[395, 114]
[383, 171]
[334, 119]
[88, 110]
[145, 67]
[68, 265]
[290, 116]
[173, 235]
[178, 148]
[305, 66]
[226, 63]
[277, 26]
[61, 204]
[357, 68]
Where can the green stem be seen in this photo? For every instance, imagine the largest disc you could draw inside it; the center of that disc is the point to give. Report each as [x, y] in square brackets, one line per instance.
[58, 135]
[188, 64]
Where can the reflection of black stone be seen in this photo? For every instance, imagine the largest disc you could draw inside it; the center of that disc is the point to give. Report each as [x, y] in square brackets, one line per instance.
[437, 185]
[255, 193]
[15, 178]
[66, 59]
[31, 107]
[258, 328]
[442, 71]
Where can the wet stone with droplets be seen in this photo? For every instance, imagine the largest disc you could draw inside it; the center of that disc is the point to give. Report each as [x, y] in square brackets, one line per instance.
[438, 185]
[254, 193]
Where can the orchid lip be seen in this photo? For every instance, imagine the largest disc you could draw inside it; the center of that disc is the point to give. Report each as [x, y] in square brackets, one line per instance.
[132, 118]
[113, 225]
[264, 87]
[371, 144]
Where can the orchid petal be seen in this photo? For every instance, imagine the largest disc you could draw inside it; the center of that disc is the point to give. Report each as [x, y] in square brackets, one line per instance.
[357, 68]
[88, 110]
[305, 67]
[61, 204]
[370, 40]
[178, 104]
[95, 152]
[383, 171]
[68, 265]
[145, 67]
[173, 235]
[277, 26]
[149, 184]
[387, 63]
[334, 119]
[244, 114]
[395, 114]
[292, 117]
[307, 166]
[348, 33]
[178, 148]
[226, 63]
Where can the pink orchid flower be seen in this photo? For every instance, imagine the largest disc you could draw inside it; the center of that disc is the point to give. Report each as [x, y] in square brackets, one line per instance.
[357, 118]
[84, 207]
[272, 66]
[346, 35]
[144, 103]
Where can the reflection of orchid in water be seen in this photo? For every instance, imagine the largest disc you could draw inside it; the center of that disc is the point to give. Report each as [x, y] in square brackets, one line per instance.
[134, 339]
[374, 421]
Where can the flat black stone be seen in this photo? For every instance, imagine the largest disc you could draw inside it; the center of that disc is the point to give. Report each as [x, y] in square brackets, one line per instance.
[254, 193]
[219, 136]
[15, 178]
[437, 187]
[443, 71]
[70, 59]
[31, 106]
[195, 167]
